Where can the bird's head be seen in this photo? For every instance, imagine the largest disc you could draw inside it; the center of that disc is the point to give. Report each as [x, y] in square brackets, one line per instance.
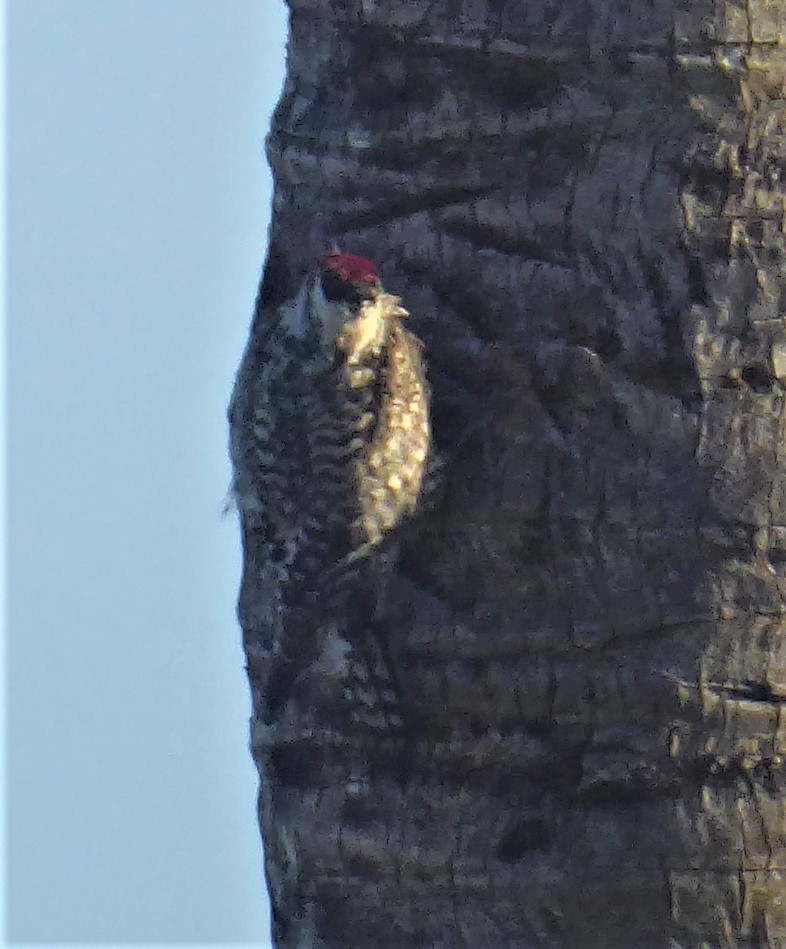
[353, 311]
[348, 279]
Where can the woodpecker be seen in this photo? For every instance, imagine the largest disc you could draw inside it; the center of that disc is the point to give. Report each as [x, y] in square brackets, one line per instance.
[330, 441]
[330, 430]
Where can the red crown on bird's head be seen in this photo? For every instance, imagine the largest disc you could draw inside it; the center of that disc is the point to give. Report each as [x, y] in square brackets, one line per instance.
[350, 268]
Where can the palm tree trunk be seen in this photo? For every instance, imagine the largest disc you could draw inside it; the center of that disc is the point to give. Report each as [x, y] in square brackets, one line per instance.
[582, 206]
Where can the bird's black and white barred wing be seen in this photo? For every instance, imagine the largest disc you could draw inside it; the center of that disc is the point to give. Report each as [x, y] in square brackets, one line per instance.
[293, 481]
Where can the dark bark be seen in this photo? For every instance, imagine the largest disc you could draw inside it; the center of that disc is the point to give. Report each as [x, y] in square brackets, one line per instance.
[581, 203]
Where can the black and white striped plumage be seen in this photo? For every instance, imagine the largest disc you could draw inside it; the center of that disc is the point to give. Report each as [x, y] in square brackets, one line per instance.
[330, 435]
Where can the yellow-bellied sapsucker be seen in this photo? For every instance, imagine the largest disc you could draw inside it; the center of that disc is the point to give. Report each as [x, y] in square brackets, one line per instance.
[330, 439]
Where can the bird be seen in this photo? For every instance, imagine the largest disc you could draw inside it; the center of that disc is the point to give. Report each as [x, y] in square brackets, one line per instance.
[337, 435]
[330, 444]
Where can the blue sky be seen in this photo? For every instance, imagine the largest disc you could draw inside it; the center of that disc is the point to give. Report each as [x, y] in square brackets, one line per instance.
[138, 204]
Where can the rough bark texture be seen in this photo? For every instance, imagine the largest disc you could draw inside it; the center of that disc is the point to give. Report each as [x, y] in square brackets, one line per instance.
[581, 204]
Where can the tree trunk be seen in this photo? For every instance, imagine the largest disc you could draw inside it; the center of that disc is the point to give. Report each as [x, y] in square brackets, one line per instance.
[582, 206]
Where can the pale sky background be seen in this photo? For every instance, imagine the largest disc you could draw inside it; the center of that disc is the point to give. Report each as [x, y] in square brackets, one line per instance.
[138, 203]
